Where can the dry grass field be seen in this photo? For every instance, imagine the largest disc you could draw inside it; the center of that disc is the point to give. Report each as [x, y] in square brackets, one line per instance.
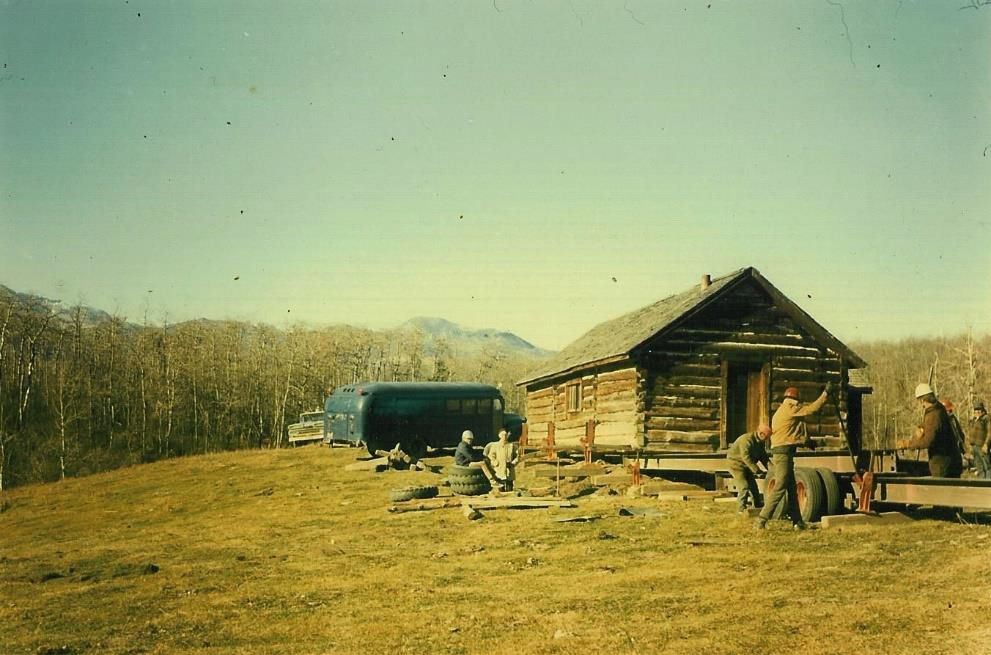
[285, 552]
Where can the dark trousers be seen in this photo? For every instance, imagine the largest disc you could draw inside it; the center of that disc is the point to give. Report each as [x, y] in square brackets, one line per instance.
[945, 466]
[746, 484]
[783, 467]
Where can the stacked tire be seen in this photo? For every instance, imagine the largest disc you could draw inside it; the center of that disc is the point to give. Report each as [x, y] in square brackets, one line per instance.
[467, 481]
[818, 494]
[412, 493]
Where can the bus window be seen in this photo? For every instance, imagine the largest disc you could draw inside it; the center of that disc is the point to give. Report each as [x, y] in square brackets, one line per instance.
[469, 407]
[498, 404]
[485, 406]
[454, 406]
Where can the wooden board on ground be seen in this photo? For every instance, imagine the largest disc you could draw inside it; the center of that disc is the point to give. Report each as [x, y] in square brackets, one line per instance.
[425, 505]
[852, 520]
[377, 464]
[570, 471]
[691, 495]
[482, 502]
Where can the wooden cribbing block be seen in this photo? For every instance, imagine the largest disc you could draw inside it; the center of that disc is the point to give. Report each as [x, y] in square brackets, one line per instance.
[859, 519]
[612, 478]
[690, 495]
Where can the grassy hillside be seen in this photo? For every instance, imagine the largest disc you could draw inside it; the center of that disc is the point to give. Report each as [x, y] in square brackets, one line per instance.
[284, 552]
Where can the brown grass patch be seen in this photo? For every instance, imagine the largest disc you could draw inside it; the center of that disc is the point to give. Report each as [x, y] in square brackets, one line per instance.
[285, 552]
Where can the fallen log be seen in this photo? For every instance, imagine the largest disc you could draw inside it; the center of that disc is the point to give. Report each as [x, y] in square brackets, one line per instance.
[482, 502]
[424, 505]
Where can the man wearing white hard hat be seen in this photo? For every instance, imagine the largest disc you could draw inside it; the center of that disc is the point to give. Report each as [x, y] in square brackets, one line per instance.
[936, 436]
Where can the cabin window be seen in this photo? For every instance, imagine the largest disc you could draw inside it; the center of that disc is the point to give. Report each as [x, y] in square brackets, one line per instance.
[574, 397]
[485, 406]
[454, 406]
[469, 407]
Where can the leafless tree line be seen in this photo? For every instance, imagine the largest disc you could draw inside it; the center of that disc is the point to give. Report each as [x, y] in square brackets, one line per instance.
[80, 395]
[959, 373]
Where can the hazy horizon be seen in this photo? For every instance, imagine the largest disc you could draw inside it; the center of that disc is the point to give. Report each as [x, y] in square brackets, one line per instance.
[536, 168]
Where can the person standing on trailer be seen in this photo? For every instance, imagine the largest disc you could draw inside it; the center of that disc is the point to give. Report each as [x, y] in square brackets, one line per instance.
[788, 432]
[744, 455]
[936, 436]
[977, 439]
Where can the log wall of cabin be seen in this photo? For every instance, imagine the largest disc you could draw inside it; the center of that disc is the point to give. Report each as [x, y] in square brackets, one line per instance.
[613, 397]
[684, 372]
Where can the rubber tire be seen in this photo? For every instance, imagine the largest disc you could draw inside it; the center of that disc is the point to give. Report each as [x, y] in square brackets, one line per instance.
[473, 489]
[412, 493]
[811, 488]
[782, 507]
[834, 497]
[465, 475]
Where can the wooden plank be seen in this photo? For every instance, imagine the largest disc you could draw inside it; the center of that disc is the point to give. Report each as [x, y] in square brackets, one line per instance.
[621, 374]
[678, 447]
[570, 471]
[613, 406]
[872, 520]
[691, 495]
[682, 424]
[425, 505]
[683, 411]
[481, 502]
[627, 416]
[674, 436]
[730, 346]
[683, 401]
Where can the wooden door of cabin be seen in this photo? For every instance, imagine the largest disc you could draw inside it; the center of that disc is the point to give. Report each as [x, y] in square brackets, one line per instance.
[745, 402]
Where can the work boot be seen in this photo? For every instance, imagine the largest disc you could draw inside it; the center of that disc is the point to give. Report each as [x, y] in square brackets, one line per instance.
[799, 526]
[760, 524]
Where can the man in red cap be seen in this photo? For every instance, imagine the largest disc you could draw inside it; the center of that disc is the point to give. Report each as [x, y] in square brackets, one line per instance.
[787, 434]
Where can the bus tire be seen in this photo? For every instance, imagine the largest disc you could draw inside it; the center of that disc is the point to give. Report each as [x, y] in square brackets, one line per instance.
[471, 489]
[412, 493]
[834, 497]
[811, 494]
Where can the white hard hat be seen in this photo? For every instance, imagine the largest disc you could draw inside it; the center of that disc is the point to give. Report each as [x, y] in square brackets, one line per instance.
[467, 434]
[923, 389]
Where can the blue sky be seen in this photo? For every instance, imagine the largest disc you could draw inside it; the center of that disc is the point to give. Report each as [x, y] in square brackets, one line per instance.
[531, 166]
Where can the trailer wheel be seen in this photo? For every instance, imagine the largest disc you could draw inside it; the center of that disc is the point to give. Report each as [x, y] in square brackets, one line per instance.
[834, 497]
[412, 493]
[811, 494]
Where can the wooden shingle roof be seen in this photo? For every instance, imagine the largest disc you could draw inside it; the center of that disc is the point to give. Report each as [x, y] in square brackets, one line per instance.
[615, 339]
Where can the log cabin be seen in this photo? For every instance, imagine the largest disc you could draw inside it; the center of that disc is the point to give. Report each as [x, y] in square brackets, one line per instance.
[692, 372]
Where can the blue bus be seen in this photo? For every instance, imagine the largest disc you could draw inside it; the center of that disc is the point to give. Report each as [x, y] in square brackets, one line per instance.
[416, 415]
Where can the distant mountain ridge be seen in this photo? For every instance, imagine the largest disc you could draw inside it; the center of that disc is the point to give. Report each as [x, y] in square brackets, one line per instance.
[469, 340]
[461, 339]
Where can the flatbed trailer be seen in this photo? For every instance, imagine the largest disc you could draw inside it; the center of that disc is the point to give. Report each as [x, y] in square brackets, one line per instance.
[882, 484]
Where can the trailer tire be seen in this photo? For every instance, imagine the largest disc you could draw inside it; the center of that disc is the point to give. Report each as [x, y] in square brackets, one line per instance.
[471, 489]
[412, 493]
[834, 497]
[811, 494]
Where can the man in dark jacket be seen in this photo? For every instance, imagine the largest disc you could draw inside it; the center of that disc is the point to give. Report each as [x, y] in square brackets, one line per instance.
[464, 454]
[936, 436]
[744, 455]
